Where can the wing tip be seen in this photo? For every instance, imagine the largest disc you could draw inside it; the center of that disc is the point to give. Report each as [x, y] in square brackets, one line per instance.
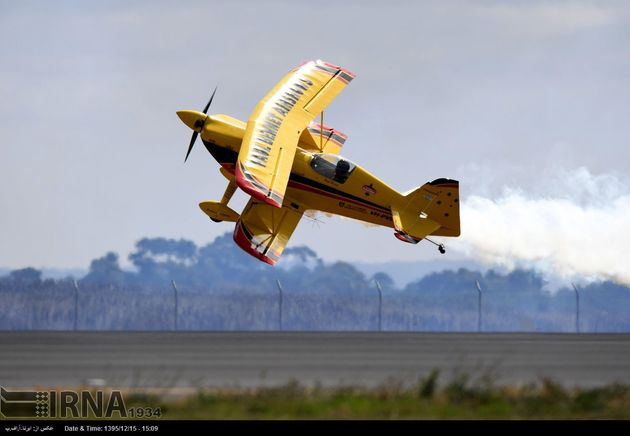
[348, 75]
[241, 239]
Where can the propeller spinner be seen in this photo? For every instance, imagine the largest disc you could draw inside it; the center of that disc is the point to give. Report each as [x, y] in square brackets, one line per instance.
[195, 120]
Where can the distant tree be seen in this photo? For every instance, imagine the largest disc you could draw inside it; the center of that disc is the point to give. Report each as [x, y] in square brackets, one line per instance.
[336, 277]
[524, 280]
[386, 282]
[301, 255]
[163, 250]
[222, 264]
[160, 260]
[107, 271]
[26, 277]
[448, 280]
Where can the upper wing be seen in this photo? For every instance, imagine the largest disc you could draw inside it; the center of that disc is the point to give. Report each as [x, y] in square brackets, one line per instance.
[274, 127]
[264, 230]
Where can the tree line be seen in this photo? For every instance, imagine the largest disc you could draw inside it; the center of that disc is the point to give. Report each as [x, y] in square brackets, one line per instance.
[222, 288]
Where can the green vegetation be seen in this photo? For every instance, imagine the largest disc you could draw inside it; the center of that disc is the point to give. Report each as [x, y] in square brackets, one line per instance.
[459, 399]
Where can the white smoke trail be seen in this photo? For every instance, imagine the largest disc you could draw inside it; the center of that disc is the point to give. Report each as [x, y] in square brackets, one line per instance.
[579, 230]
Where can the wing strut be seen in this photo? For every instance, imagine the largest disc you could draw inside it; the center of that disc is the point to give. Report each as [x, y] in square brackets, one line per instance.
[321, 131]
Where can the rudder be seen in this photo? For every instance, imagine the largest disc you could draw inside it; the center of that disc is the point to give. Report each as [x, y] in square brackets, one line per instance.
[431, 209]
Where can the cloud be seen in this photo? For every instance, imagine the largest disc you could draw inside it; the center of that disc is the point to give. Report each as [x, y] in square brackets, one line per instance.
[547, 19]
[577, 230]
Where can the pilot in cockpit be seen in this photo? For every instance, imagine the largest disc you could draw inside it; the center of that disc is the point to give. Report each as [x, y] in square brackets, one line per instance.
[341, 171]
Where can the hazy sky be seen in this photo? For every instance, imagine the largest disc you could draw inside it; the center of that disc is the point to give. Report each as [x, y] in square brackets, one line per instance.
[494, 94]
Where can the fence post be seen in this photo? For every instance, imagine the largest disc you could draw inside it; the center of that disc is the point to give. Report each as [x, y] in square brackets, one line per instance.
[478, 306]
[76, 305]
[176, 309]
[280, 297]
[380, 305]
[577, 308]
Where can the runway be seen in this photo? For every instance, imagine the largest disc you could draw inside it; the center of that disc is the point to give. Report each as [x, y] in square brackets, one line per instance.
[252, 359]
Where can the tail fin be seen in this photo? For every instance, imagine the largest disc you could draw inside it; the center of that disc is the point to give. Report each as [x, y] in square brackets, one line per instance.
[432, 209]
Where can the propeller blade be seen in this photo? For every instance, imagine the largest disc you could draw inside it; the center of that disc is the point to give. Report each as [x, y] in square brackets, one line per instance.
[190, 147]
[205, 109]
[198, 124]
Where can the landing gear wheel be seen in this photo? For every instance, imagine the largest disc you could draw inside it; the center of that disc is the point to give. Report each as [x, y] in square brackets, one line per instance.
[441, 248]
[216, 221]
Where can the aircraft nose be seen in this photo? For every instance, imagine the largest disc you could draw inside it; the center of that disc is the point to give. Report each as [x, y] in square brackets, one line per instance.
[193, 119]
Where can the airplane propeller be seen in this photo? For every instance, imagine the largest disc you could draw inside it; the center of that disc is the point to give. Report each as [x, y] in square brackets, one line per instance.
[199, 123]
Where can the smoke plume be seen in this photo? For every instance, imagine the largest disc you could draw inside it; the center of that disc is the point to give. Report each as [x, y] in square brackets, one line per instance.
[577, 229]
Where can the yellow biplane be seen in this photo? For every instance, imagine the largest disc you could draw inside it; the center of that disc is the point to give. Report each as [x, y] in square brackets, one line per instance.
[289, 164]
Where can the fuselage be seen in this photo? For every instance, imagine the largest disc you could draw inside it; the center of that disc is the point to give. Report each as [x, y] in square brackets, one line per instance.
[313, 182]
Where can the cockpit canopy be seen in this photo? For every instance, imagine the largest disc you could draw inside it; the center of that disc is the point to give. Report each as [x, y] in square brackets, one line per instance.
[332, 166]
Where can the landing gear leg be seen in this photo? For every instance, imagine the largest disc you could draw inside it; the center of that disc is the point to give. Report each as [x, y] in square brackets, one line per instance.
[227, 196]
[229, 191]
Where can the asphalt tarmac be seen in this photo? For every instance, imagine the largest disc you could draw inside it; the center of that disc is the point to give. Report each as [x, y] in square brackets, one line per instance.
[190, 360]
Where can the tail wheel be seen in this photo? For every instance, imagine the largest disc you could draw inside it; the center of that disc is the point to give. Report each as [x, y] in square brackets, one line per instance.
[216, 221]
